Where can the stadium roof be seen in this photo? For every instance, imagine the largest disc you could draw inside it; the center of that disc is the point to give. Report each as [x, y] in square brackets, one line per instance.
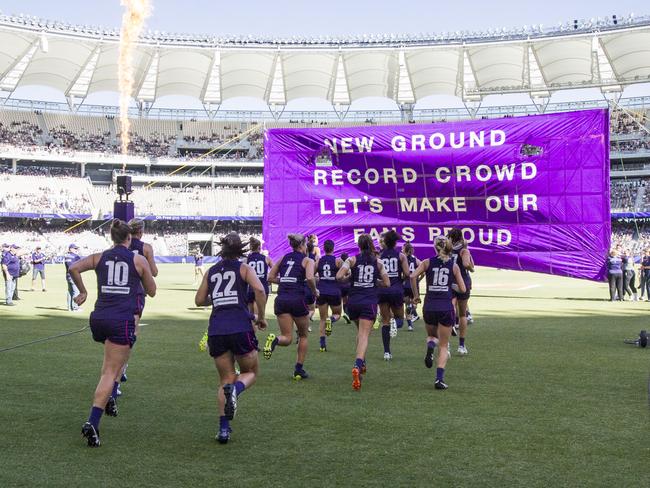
[79, 61]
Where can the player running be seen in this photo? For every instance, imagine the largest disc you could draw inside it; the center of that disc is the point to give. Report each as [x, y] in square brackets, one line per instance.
[231, 337]
[330, 292]
[291, 273]
[365, 272]
[391, 299]
[345, 292]
[261, 265]
[119, 274]
[463, 258]
[310, 298]
[198, 265]
[411, 309]
[438, 311]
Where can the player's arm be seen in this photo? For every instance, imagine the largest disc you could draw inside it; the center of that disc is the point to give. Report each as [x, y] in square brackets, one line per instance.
[384, 281]
[251, 278]
[344, 270]
[415, 277]
[459, 279]
[142, 267]
[467, 260]
[148, 253]
[269, 262]
[75, 269]
[308, 264]
[405, 264]
[201, 297]
[273, 274]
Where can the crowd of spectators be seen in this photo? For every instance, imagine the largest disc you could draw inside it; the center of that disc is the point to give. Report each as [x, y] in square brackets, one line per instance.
[624, 122]
[632, 145]
[20, 134]
[34, 194]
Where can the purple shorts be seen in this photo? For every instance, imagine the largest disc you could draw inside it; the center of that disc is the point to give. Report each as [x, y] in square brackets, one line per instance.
[139, 305]
[345, 291]
[239, 344]
[331, 300]
[461, 296]
[296, 307]
[121, 332]
[310, 299]
[408, 293]
[357, 311]
[440, 317]
[392, 299]
[250, 296]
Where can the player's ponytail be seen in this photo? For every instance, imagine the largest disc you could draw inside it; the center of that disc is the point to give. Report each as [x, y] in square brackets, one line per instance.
[120, 231]
[455, 235]
[137, 226]
[366, 246]
[443, 248]
[231, 246]
[390, 238]
[254, 244]
[407, 249]
[296, 240]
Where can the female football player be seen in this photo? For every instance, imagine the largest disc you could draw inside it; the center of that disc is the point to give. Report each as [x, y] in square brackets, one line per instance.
[366, 273]
[231, 337]
[119, 274]
[261, 265]
[291, 273]
[413, 262]
[391, 299]
[329, 290]
[463, 258]
[438, 311]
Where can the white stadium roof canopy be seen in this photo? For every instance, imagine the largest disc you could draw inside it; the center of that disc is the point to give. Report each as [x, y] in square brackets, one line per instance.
[79, 61]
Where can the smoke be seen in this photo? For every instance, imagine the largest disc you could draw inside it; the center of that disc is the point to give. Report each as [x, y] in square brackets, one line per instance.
[132, 22]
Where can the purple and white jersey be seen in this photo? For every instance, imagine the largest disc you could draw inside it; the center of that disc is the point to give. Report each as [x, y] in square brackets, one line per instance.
[227, 293]
[257, 261]
[393, 267]
[137, 247]
[365, 273]
[440, 278]
[118, 282]
[463, 271]
[291, 275]
[413, 264]
[327, 269]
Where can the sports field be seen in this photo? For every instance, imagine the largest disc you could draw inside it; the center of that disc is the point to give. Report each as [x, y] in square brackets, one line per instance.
[548, 396]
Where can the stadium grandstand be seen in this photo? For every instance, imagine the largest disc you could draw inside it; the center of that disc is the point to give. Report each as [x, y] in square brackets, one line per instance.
[360, 261]
[59, 161]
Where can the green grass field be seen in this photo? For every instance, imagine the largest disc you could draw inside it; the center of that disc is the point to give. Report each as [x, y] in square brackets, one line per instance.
[549, 396]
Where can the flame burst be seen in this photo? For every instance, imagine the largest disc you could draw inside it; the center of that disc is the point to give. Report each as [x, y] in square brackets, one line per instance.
[132, 22]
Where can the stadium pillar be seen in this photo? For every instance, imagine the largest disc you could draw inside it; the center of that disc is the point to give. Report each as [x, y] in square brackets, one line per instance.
[14, 164]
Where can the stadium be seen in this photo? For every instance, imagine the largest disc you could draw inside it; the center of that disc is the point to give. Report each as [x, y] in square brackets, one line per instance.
[548, 395]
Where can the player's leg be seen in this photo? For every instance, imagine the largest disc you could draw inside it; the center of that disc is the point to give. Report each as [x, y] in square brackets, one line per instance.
[302, 323]
[444, 333]
[462, 322]
[225, 364]
[432, 342]
[386, 330]
[363, 333]
[115, 356]
[42, 273]
[324, 318]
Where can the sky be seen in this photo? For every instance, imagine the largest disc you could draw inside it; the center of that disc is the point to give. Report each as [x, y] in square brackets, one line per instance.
[330, 17]
[286, 18]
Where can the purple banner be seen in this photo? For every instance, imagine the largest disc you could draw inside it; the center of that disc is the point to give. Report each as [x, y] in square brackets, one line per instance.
[531, 193]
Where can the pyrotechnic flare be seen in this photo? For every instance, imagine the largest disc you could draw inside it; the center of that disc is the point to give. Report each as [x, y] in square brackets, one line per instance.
[132, 22]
